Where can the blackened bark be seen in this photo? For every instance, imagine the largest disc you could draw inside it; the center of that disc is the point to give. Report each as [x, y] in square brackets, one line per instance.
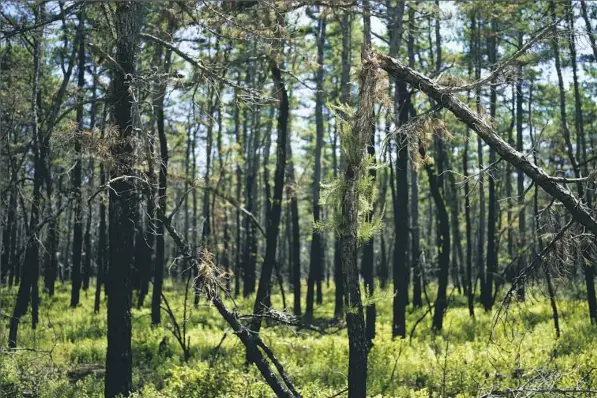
[590, 33]
[577, 209]
[31, 261]
[414, 187]
[476, 54]
[273, 225]
[492, 255]
[589, 269]
[443, 233]
[402, 109]
[238, 265]
[294, 234]
[87, 236]
[357, 338]
[160, 255]
[316, 259]
[123, 206]
[76, 177]
[102, 244]
[344, 99]
[368, 250]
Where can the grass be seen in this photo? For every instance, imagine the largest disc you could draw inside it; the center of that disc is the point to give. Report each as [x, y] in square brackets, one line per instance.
[469, 358]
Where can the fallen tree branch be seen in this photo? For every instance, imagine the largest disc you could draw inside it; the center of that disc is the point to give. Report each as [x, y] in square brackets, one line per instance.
[252, 342]
[579, 211]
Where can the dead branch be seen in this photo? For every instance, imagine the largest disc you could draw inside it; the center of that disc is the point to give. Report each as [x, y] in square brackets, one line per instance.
[251, 341]
[486, 131]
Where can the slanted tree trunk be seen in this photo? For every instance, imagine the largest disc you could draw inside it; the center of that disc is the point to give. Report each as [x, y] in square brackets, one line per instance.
[273, 226]
[123, 205]
[445, 97]
[590, 33]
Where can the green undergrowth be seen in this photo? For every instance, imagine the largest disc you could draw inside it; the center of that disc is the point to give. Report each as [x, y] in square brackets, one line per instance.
[65, 356]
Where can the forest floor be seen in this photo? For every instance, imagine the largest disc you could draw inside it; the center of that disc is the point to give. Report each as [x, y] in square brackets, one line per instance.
[65, 356]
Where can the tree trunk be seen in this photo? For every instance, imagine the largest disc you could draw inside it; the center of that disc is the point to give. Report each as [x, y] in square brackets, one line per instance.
[446, 98]
[31, 262]
[344, 99]
[357, 338]
[295, 238]
[160, 255]
[402, 109]
[273, 226]
[492, 251]
[589, 269]
[316, 258]
[77, 171]
[443, 233]
[123, 206]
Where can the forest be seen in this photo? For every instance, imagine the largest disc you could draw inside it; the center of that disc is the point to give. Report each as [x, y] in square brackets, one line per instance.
[298, 198]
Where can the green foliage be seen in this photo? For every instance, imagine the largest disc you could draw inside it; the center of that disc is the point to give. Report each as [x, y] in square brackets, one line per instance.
[467, 359]
[332, 192]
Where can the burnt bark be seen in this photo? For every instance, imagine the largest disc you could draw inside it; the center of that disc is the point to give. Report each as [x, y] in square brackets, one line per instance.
[123, 205]
[273, 225]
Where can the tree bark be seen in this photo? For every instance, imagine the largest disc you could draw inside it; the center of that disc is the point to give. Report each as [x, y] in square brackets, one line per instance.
[402, 109]
[31, 261]
[316, 259]
[273, 226]
[160, 255]
[482, 127]
[123, 206]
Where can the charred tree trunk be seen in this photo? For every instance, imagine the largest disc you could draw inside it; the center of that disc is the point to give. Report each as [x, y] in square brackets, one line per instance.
[344, 99]
[31, 262]
[354, 154]
[123, 206]
[589, 269]
[443, 233]
[402, 109]
[273, 226]
[316, 262]
[77, 171]
[160, 255]
[492, 255]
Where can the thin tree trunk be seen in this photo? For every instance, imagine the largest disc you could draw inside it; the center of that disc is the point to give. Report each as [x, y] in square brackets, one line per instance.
[158, 106]
[589, 269]
[31, 262]
[492, 254]
[344, 99]
[102, 249]
[316, 261]
[402, 109]
[273, 226]
[77, 171]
